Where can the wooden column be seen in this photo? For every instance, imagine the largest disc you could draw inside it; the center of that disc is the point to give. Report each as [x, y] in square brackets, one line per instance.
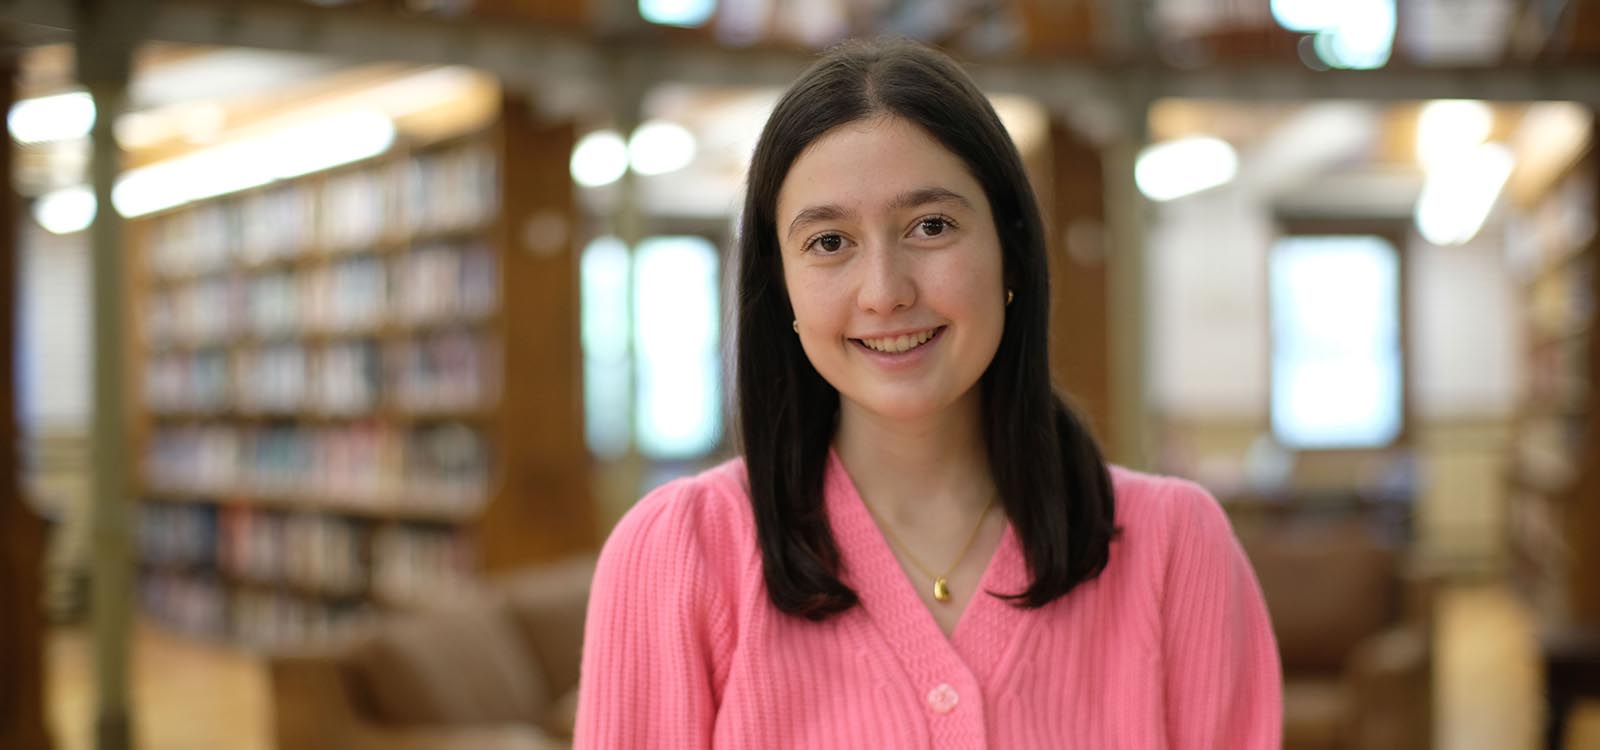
[21, 531]
[1583, 528]
[545, 463]
[1075, 217]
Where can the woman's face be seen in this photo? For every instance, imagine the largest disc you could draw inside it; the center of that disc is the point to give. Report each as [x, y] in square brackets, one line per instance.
[893, 266]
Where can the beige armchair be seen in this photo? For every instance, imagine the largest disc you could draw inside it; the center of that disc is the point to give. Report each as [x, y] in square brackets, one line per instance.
[1353, 633]
[498, 671]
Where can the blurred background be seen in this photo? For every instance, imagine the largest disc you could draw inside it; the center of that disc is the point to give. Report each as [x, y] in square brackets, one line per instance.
[339, 333]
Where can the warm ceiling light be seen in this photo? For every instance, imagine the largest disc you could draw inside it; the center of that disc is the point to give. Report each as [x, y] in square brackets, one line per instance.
[1449, 128]
[310, 146]
[1460, 193]
[659, 147]
[1170, 170]
[600, 158]
[59, 117]
[65, 211]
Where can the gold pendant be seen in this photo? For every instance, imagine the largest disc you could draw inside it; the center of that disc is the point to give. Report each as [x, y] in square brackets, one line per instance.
[941, 589]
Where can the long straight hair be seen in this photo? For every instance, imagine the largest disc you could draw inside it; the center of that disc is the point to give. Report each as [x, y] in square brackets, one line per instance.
[1053, 483]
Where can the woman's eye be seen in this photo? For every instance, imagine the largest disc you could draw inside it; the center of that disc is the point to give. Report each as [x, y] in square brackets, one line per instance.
[828, 243]
[934, 226]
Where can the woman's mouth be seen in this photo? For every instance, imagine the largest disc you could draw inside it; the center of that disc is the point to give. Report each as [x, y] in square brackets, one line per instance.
[902, 344]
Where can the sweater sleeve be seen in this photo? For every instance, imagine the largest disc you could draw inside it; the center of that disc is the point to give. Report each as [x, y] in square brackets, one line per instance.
[1223, 680]
[655, 625]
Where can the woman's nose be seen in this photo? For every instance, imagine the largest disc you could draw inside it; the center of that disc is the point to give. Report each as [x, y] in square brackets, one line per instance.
[886, 283]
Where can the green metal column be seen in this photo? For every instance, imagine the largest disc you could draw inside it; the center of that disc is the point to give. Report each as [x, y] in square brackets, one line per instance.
[107, 34]
[1132, 435]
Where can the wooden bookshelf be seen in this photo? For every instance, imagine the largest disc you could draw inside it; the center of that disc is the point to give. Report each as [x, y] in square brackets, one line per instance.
[23, 634]
[1554, 476]
[360, 389]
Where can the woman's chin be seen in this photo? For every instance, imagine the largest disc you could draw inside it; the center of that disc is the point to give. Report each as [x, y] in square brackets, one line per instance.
[902, 409]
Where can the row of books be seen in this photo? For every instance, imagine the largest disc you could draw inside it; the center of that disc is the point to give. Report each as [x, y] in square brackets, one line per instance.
[271, 620]
[1546, 449]
[189, 602]
[256, 618]
[420, 564]
[410, 567]
[438, 283]
[314, 552]
[1561, 303]
[444, 465]
[441, 370]
[313, 555]
[447, 190]
[274, 224]
[199, 381]
[446, 282]
[178, 535]
[448, 370]
[1558, 373]
[450, 189]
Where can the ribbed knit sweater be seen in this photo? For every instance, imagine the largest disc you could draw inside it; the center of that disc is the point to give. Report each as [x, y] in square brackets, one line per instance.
[1170, 647]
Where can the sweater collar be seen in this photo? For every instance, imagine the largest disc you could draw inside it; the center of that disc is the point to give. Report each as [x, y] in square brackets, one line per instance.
[988, 625]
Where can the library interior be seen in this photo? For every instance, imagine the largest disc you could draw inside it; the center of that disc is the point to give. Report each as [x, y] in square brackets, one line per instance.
[339, 334]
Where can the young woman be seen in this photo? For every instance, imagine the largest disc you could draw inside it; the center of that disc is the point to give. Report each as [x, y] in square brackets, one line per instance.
[922, 545]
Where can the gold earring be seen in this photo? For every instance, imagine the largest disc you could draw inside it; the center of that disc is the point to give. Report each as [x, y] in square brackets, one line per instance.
[1010, 296]
[795, 325]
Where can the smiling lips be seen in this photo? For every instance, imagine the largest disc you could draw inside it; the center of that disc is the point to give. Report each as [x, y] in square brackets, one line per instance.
[900, 344]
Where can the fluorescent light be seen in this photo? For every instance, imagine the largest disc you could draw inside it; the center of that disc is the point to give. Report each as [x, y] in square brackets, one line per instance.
[1189, 165]
[659, 147]
[297, 150]
[1460, 193]
[600, 158]
[1306, 16]
[686, 13]
[66, 210]
[326, 143]
[1449, 128]
[1364, 36]
[59, 117]
[1356, 34]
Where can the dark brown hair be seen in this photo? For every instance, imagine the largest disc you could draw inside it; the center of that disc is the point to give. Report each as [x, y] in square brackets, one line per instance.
[1054, 484]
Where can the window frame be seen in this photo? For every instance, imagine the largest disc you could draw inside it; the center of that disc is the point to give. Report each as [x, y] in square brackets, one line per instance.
[1392, 230]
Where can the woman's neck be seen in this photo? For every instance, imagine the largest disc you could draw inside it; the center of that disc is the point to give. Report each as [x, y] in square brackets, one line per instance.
[927, 473]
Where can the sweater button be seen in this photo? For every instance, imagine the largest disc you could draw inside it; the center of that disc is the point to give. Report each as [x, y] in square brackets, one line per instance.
[943, 698]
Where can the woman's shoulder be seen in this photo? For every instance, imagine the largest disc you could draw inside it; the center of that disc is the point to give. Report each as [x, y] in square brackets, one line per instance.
[1157, 512]
[1144, 494]
[707, 513]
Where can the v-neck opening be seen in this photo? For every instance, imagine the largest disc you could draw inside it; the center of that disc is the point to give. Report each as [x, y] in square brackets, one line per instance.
[985, 626]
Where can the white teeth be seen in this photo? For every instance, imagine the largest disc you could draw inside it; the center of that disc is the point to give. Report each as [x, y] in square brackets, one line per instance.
[898, 344]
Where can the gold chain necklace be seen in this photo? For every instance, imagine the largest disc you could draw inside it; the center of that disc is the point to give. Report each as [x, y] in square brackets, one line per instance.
[941, 583]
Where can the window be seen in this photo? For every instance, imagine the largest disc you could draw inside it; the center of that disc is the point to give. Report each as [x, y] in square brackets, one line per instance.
[652, 374]
[607, 381]
[1336, 348]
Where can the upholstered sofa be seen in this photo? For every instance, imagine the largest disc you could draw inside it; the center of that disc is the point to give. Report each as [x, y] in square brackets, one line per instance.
[1353, 633]
[495, 670]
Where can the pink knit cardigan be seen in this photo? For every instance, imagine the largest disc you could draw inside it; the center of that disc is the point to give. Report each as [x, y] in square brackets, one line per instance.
[1170, 647]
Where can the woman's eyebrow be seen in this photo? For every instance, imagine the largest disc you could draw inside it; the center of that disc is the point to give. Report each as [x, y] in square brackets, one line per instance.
[924, 196]
[814, 214]
[908, 199]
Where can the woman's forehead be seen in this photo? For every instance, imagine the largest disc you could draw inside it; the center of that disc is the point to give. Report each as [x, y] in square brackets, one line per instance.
[873, 164]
